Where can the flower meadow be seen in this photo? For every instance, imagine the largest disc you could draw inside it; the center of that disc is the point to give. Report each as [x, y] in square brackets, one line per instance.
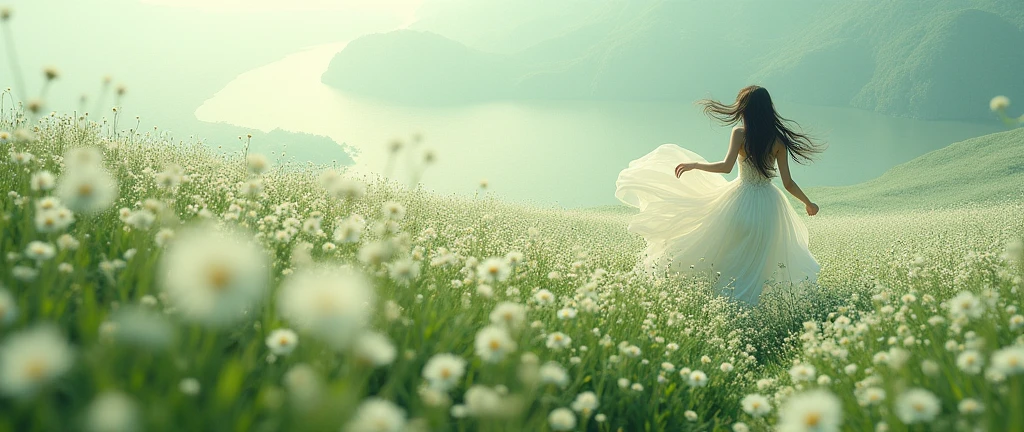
[150, 284]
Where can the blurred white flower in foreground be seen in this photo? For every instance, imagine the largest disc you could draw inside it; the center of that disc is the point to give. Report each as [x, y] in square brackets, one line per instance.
[32, 358]
[917, 406]
[814, 410]
[332, 304]
[113, 411]
[211, 275]
[377, 415]
[562, 419]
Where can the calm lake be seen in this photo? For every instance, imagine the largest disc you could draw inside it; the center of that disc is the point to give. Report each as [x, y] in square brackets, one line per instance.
[549, 153]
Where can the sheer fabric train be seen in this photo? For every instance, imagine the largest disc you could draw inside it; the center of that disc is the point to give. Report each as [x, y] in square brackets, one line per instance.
[746, 229]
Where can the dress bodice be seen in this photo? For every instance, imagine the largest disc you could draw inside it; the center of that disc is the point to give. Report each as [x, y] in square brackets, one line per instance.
[750, 174]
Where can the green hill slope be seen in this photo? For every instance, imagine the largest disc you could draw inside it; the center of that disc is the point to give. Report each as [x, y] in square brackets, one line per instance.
[984, 170]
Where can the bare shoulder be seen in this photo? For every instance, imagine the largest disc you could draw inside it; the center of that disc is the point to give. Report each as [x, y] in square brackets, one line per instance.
[739, 130]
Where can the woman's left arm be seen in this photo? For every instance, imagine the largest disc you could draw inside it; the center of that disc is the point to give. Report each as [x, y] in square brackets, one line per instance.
[723, 167]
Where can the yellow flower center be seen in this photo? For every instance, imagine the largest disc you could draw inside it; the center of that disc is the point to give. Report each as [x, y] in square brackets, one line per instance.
[219, 277]
[812, 419]
[35, 369]
[494, 345]
[85, 190]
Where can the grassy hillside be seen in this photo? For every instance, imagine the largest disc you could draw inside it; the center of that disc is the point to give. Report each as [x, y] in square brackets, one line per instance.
[984, 170]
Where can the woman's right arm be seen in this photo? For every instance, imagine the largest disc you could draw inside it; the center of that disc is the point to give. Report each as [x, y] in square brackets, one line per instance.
[782, 159]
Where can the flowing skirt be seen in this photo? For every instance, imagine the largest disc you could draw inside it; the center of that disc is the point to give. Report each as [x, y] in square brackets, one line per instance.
[744, 229]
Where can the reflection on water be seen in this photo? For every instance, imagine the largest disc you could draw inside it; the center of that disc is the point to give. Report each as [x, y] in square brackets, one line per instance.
[565, 153]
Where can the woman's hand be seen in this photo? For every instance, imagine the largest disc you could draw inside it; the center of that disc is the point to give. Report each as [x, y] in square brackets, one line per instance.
[812, 209]
[684, 167]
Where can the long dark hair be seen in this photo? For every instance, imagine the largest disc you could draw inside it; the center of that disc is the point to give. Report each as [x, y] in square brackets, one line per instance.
[754, 108]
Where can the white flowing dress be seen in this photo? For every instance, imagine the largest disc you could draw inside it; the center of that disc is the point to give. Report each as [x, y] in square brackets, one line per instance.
[744, 229]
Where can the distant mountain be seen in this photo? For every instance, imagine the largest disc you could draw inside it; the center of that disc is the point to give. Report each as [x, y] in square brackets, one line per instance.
[931, 60]
[942, 59]
[987, 169]
[419, 67]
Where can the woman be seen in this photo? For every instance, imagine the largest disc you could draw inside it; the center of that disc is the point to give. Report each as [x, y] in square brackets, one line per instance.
[745, 230]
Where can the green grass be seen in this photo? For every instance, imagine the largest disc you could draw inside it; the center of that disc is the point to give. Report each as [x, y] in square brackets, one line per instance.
[585, 257]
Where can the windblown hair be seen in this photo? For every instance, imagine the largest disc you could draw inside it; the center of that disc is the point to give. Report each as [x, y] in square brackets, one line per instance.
[755, 110]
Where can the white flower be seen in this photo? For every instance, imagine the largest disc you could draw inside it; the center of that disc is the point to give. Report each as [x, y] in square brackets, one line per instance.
[375, 349]
[443, 371]
[811, 411]
[87, 190]
[917, 406]
[53, 219]
[697, 379]
[32, 358]
[850, 369]
[42, 181]
[303, 383]
[965, 304]
[970, 406]
[740, 427]
[756, 405]
[554, 373]
[493, 343]
[333, 304]
[211, 276]
[1008, 361]
[282, 341]
[999, 103]
[377, 415]
[113, 411]
[1016, 322]
[404, 270]
[802, 372]
[257, 163]
[493, 270]
[970, 361]
[562, 419]
[872, 396]
[544, 297]
[726, 367]
[349, 230]
[566, 313]
[189, 386]
[690, 415]
[393, 210]
[483, 401]
[509, 314]
[586, 403]
[344, 188]
[40, 251]
[558, 341]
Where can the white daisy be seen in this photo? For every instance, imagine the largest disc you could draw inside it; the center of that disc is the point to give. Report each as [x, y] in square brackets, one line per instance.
[562, 419]
[32, 358]
[333, 304]
[212, 276]
[443, 371]
[377, 415]
[374, 349]
[282, 341]
[917, 406]
[756, 405]
[811, 411]
[493, 343]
